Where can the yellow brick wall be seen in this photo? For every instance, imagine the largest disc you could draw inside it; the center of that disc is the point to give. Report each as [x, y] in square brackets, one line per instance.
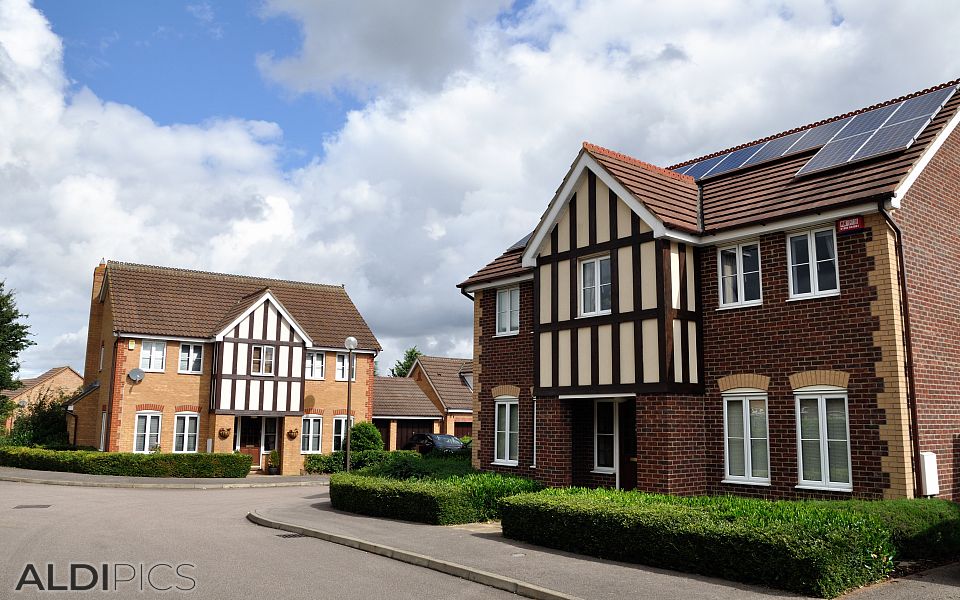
[329, 395]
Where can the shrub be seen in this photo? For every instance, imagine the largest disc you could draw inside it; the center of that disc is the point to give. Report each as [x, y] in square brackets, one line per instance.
[334, 462]
[274, 458]
[406, 464]
[43, 423]
[925, 528]
[127, 463]
[365, 436]
[795, 546]
[437, 501]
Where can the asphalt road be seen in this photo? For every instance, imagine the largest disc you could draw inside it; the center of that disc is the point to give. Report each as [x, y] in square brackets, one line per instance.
[231, 558]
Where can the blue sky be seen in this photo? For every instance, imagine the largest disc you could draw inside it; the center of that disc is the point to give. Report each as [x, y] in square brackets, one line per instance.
[392, 147]
[186, 62]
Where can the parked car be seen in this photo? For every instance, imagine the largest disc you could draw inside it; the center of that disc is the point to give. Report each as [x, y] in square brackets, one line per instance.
[425, 443]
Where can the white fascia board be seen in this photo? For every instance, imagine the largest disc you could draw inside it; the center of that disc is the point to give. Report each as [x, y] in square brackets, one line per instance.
[787, 224]
[427, 375]
[406, 418]
[339, 350]
[164, 338]
[595, 396]
[280, 309]
[496, 283]
[460, 410]
[925, 159]
[584, 162]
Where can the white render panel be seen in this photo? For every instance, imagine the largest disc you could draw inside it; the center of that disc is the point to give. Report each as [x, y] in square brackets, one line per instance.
[241, 394]
[283, 361]
[226, 365]
[255, 386]
[692, 351]
[268, 395]
[272, 316]
[257, 323]
[294, 396]
[675, 275]
[284, 330]
[226, 402]
[282, 395]
[678, 357]
[298, 362]
[242, 358]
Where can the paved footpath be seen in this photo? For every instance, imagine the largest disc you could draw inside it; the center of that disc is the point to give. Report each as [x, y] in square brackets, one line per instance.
[111, 481]
[482, 547]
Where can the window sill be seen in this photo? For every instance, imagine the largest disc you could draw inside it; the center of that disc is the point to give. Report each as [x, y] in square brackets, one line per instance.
[189, 372]
[354, 380]
[184, 452]
[813, 296]
[604, 471]
[307, 452]
[596, 314]
[314, 379]
[746, 482]
[508, 334]
[153, 370]
[736, 306]
[504, 463]
[261, 374]
[823, 488]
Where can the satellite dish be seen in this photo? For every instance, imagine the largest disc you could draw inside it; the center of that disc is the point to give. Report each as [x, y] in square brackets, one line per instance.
[136, 375]
[23, 404]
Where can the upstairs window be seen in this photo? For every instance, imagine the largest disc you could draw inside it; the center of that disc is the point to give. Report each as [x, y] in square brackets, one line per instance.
[191, 358]
[153, 355]
[261, 362]
[342, 368]
[508, 311]
[314, 367]
[595, 286]
[813, 264]
[739, 271]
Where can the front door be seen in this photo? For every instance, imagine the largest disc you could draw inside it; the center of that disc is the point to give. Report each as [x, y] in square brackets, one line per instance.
[251, 438]
[627, 423]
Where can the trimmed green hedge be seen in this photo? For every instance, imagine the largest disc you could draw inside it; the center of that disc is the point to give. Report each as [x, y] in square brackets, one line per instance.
[405, 464]
[447, 501]
[333, 462]
[127, 463]
[797, 546]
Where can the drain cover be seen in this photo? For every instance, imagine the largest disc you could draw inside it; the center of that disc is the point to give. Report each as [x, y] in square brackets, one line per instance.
[33, 506]
[290, 535]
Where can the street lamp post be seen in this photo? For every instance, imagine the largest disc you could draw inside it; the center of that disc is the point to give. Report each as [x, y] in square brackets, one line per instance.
[350, 344]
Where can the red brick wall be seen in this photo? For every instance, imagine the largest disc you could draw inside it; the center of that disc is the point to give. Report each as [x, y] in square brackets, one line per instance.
[930, 219]
[780, 338]
[671, 451]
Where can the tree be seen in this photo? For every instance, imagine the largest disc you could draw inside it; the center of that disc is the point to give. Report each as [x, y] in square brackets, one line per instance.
[44, 422]
[14, 339]
[403, 366]
[365, 436]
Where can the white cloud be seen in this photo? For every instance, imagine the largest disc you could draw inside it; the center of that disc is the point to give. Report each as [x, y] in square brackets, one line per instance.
[464, 137]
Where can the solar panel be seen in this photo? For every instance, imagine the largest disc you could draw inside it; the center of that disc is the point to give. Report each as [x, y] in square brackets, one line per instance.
[879, 131]
[700, 169]
[816, 137]
[774, 148]
[733, 160]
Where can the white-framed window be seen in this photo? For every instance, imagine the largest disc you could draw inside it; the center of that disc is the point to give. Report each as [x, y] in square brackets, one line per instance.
[739, 272]
[340, 431]
[341, 374]
[311, 434]
[823, 439]
[153, 355]
[186, 426]
[508, 311]
[507, 432]
[191, 358]
[261, 360]
[595, 286]
[103, 431]
[605, 436]
[147, 432]
[314, 365]
[812, 257]
[746, 440]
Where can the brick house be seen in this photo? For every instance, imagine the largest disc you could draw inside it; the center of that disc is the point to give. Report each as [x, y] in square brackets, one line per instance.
[436, 396]
[57, 380]
[776, 320]
[400, 409]
[224, 362]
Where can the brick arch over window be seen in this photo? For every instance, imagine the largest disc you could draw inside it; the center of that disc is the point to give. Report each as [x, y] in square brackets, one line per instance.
[838, 379]
[506, 390]
[744, 380]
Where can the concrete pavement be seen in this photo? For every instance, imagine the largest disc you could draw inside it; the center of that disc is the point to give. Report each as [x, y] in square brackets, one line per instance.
[232, 557]
[112, 481]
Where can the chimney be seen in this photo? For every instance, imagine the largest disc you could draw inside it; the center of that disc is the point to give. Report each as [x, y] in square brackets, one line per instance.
[91, 368]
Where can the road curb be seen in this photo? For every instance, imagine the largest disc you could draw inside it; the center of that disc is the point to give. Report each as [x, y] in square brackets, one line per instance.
[160, 486]
[501, 582]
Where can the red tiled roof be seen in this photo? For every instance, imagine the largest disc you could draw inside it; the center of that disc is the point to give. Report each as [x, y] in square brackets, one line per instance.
[505, 266]
[401, 397]
[445, 376]
[670, 196]
[28, 384]
[154, 300]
